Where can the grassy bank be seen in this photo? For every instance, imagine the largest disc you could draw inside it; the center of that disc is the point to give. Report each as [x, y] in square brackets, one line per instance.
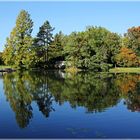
[4, 67]
[125, 70]
[72, 70]
[75, 70]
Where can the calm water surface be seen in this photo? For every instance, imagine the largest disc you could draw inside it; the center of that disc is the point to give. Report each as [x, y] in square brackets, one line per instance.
[59, 105]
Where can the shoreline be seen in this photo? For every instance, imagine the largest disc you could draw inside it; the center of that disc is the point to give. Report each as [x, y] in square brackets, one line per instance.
[76, 70]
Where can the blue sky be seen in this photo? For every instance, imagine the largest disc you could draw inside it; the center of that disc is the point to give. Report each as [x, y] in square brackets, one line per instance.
[71, 16]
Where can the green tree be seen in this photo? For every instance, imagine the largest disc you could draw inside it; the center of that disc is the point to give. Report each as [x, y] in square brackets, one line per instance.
[114, 44]
[73, 46]
[19, 45]
[1, 59]
[9, 51]
[133, 39]
[56, 49]
[43, 40]
[93, 49]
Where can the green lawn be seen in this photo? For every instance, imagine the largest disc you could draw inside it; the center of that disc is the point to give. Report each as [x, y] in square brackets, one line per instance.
[113, 70]
[125, 70]
[4, 67]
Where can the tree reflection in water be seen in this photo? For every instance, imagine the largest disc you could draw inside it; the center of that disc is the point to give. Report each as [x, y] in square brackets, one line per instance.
[94, 91]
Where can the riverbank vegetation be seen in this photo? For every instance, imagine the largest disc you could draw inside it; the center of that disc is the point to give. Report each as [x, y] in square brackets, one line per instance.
[96, 48]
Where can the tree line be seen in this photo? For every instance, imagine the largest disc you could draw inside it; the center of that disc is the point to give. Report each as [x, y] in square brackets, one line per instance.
[96, 48]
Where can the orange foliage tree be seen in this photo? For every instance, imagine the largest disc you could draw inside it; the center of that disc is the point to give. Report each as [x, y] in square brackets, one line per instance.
[127, 58]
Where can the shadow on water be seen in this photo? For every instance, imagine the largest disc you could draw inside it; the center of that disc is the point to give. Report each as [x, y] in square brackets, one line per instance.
[95, 92]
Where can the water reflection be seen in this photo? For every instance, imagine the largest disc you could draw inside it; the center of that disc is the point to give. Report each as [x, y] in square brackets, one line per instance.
[94, 91]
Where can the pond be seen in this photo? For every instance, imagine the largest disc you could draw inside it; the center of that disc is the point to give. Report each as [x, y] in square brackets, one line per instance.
[59, 105]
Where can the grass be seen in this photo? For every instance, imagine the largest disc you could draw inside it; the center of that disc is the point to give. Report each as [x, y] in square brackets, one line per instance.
[4, 67]
[72, 70]
[124, 70]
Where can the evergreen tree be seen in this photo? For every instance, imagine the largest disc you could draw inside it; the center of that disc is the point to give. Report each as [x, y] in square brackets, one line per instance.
[56, 49]
[19, 44]
[9, 51]
[43, 40]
